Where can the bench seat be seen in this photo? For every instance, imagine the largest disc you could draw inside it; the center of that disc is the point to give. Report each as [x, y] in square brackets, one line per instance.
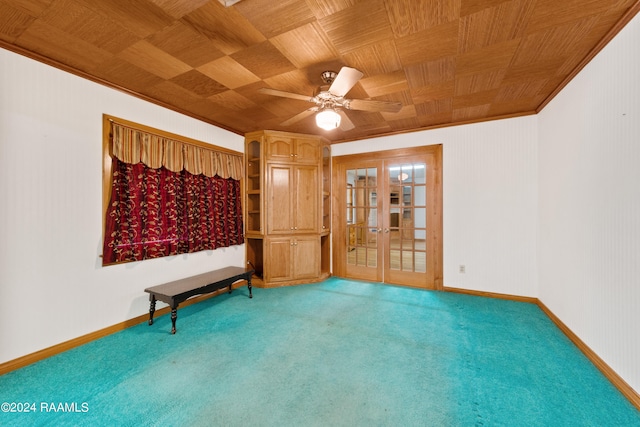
[173, 293]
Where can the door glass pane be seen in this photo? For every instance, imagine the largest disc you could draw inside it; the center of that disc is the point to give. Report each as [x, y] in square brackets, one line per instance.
[395, 243]
[407, 260]
[372, 219]
[361, 215]
[372, 258]
[394, 219]
[394, 262]
[420, 173]
[421, 262]
[407, 193]
[406, 174]
[407, 214]
[394, 171]
[361, 256]
[420, 195]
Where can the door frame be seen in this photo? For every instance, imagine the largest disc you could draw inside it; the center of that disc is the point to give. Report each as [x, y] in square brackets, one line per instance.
[339, 228]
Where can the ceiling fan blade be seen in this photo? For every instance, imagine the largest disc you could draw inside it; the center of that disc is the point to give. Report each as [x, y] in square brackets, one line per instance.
[373, 105]
[299, 116]
[345, 80]
[345, 121]
[275, 92]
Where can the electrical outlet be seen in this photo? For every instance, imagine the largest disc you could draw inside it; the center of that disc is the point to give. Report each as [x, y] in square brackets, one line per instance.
[463, 269]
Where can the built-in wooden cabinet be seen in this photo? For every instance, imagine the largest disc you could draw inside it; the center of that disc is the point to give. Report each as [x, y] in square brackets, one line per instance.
[293, 192]
[292, 258]
[287, 207]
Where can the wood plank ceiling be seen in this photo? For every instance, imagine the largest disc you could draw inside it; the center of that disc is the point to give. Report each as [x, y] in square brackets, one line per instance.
[446, 61]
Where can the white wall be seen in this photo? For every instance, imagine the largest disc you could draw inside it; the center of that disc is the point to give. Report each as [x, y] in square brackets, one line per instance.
[52, 285]
[589, 169]
[489, 201]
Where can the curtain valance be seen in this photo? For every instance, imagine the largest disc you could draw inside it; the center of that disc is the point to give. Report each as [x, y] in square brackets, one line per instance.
[137, 146]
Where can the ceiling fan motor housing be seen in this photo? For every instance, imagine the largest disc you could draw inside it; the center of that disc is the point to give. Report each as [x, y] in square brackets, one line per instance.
[329, 76]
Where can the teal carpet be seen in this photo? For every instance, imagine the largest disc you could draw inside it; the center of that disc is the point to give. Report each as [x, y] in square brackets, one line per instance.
[338, 353]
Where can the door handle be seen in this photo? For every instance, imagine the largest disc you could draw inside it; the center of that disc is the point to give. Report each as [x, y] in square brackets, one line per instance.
[386, 230]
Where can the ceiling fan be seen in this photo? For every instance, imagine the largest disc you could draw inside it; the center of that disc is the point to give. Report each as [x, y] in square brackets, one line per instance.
[331, 103]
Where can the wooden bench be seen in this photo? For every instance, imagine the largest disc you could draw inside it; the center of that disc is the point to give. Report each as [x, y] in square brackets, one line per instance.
[173, 293]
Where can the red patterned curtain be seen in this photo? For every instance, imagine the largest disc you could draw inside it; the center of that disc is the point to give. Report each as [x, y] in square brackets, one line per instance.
[156, 212]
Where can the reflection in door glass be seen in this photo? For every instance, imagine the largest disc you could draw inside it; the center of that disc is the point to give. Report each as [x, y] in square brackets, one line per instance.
[420, 173]
[407, 260]
[421, 262]
[420, 192]
[394, 262]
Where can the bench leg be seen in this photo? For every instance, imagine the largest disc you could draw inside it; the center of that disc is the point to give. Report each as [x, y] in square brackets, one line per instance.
[249, 286]
[152, 308]
[174, 317]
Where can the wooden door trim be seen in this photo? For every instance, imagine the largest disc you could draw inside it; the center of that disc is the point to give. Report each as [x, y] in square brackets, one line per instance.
[390, 154]
[337, 193]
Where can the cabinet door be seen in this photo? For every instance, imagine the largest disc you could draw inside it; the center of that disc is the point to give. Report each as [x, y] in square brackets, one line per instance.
[288, 149]
[306, 257]
[292, 258]
[279, 203]
[279, 258]
[280, 148]
[307, 199]
[307, 151]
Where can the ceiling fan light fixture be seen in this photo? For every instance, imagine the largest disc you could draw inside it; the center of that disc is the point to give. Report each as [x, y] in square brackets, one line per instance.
[328, 119]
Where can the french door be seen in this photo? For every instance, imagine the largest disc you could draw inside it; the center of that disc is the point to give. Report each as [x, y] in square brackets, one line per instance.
[388, 215]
